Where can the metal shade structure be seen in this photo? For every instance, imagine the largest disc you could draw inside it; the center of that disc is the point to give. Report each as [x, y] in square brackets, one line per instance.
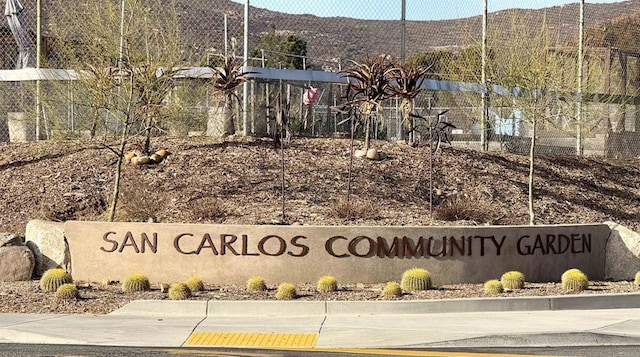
[14, 12]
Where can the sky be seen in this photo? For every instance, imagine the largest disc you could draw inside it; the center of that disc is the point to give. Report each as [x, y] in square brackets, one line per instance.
[391, 9]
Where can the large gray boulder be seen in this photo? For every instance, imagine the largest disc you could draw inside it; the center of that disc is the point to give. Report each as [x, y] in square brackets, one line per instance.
[623, 253]
[16, 263]
[48, 244]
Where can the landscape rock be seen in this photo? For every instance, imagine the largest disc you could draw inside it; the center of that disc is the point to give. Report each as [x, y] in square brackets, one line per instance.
[360, 153]
[16, 263]
[622, 259]
[10, 239]
[372, 154]
[48, 244]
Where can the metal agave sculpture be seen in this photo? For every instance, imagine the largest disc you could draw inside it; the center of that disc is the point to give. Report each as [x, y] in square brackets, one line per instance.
[225, 80]
[369, 83]
[407, 84]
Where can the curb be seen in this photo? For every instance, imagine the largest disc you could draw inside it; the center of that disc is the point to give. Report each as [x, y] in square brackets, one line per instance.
[328, 308]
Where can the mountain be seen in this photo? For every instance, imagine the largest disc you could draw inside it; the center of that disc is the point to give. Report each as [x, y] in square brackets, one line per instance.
[337, 38]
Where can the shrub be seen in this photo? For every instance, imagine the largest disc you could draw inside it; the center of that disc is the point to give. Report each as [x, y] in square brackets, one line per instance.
[493, 287]
[52, 279]
[392, 290]
[636, 280]
[354, 210]
[416, 279]
[512, 280]
[286, 291]
[208, 209]
[327, 284]
[135, 282]
[67, 292]
[574, 280]
[462, 208]
[256, 284]
[194, 284]
[179, 291]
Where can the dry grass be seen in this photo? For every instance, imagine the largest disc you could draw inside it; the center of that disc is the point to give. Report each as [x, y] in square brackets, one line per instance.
[354, 210]
[464, 208]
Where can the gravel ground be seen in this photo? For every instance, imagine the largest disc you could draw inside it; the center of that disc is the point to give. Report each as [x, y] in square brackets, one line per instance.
[26, 296]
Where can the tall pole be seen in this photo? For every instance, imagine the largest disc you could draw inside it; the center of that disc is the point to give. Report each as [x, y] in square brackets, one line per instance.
[579, 90]
[245, 85]
[485, 94]
[403, 37]
[121, 50]
[38, 46]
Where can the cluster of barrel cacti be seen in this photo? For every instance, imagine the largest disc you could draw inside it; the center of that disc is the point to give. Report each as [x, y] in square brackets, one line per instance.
[512, 280]
[574, 280]
[327, 284]
[416, 279]
[493, 287]
[52, 279]
[256, 284]
[67, 292]
[179, 291]
[286, 291]
[391, 290]
[194, 284]
[135, 282]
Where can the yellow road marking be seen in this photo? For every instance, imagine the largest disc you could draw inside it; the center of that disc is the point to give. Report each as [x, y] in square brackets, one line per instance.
[238, 339]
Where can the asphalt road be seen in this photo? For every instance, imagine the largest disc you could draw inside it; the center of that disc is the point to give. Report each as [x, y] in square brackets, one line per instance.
[24, 350]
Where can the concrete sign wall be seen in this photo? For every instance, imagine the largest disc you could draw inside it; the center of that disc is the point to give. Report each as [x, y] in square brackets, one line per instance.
[228, 254]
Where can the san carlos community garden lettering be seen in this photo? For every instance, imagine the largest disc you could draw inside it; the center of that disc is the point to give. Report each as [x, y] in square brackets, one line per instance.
[230, 254]
[343, 247]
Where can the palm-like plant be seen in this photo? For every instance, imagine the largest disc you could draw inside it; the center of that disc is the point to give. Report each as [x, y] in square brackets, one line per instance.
[369, 83]
[407, 84]
[225, 81]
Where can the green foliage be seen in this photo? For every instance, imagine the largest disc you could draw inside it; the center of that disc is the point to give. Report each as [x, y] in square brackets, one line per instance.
[438, 62]
[327, 284]
[512, 280]
[67, 292]
[392, 290]
[286, 291]
[493, 287]
[256, 284]
[574, 280]
[179, 291]
[194, 284]
[135, 282]
[52, 279]
[278, 49]
[636, 280]
[416, 279]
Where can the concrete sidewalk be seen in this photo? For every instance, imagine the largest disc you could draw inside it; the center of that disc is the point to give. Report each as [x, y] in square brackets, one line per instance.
[544, 321]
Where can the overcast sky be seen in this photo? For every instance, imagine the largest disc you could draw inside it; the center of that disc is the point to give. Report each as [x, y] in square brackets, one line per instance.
[391, 9]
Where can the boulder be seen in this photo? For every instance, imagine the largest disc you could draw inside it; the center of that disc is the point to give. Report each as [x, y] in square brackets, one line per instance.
[10, 239]
[622, 259]
[16, 263]
[48, 244]
[360, 153]
[372, 154]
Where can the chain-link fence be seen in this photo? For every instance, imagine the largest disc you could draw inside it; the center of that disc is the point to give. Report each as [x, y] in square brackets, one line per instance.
[104, 45]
